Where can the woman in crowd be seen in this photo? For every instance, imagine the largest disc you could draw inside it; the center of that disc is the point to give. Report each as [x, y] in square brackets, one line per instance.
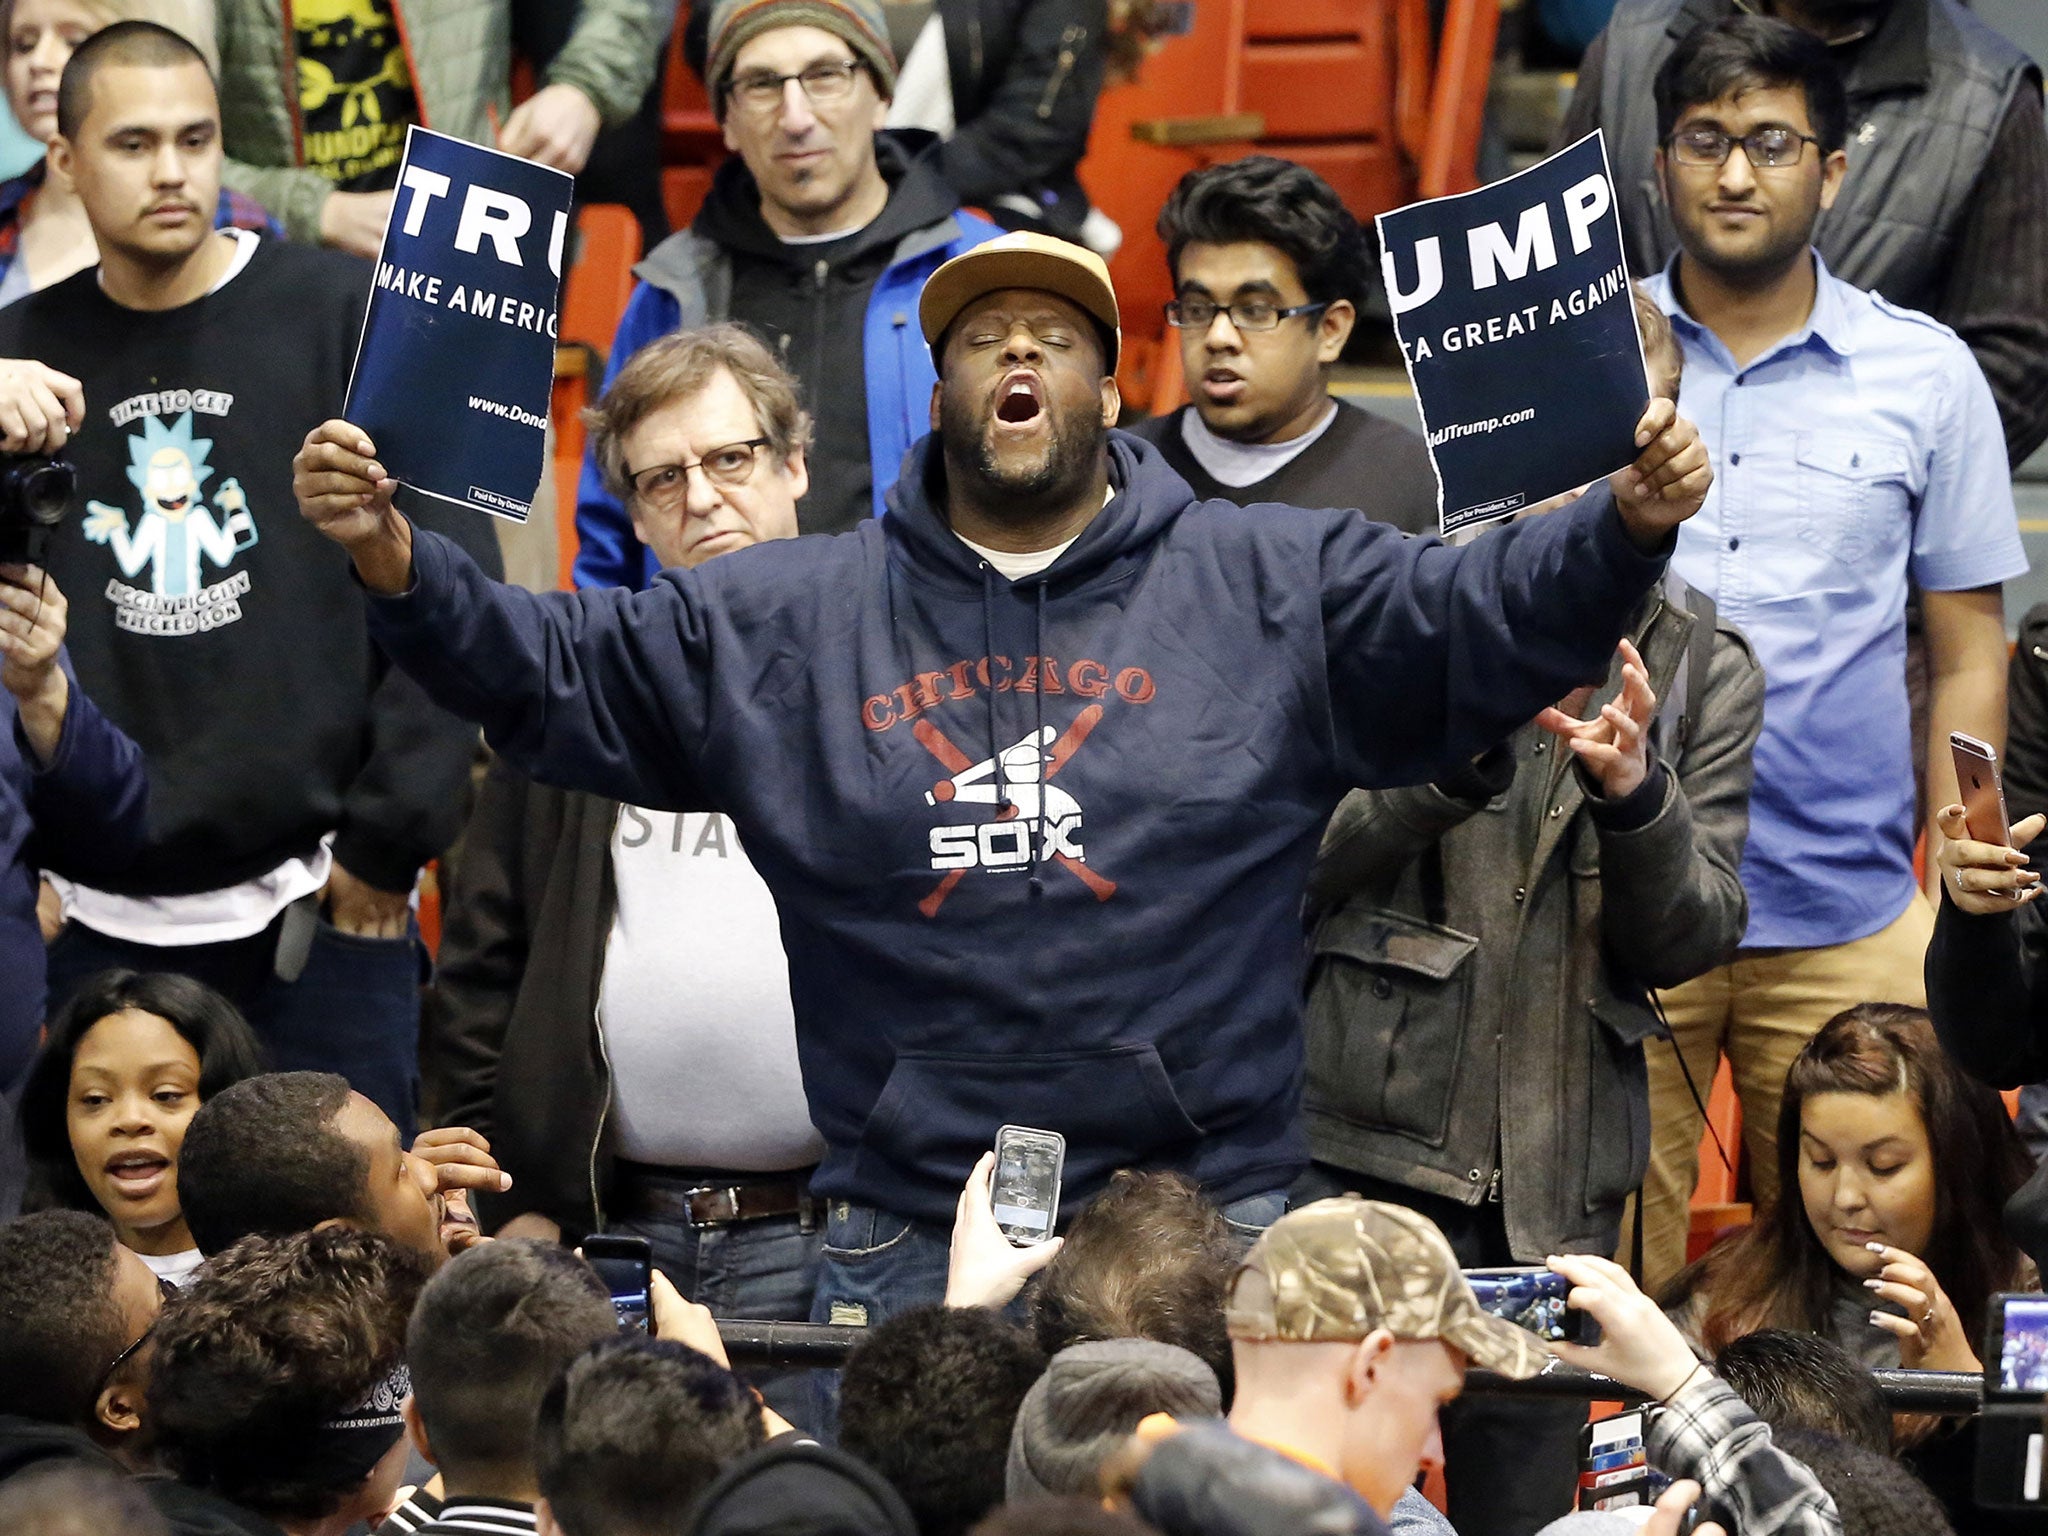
[44, 236]
[1901, 1166]
[128, 1062]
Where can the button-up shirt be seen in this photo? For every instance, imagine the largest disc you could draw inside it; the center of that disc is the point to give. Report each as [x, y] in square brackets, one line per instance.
[1861, 450]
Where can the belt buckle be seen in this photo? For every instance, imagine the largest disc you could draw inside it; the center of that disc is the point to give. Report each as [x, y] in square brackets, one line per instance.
[712, 1207]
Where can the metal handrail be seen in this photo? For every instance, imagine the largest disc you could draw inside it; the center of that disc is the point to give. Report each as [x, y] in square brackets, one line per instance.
[1950, 1394]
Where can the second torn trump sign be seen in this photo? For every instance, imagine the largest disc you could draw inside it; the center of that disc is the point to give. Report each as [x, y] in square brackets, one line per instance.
[1513, 310]
[457, 358]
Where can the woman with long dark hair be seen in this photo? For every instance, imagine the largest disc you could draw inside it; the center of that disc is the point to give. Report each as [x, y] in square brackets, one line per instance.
[1894, 1169]
[127, 1063]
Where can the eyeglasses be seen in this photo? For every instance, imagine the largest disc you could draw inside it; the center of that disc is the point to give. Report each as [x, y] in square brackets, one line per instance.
[1198, 314]
[663, 486]
[165, 1291]
[824, 84]
[1767, 148]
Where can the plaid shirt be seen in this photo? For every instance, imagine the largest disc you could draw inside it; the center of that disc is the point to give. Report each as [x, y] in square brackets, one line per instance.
[1709, 1434]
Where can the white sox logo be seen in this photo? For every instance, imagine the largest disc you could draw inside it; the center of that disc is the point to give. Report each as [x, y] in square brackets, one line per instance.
[1027, 799]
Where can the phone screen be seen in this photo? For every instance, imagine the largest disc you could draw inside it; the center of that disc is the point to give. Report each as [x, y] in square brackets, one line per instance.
[1026, 1192]
[625, 1265]
[2023, 1352]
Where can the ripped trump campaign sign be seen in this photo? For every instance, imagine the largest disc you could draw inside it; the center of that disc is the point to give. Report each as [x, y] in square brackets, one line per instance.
[1513, 309]
[457, 357]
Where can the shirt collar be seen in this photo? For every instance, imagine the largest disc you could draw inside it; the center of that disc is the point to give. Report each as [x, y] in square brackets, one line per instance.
[1829, 323]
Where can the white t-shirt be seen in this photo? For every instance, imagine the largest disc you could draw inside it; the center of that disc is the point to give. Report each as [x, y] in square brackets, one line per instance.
[1240, 464]
[694, 1006]
[177, 1268]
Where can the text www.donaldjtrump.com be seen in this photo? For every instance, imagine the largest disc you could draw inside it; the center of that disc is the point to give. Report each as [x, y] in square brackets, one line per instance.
[508, 412]
[1479, 428]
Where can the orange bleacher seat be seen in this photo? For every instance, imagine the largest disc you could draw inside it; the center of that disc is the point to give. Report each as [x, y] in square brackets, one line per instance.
[692, 145]
[1715, 1207]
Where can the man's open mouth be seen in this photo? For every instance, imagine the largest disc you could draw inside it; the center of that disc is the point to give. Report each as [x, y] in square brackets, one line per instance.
[1020, 399]
[172, 503]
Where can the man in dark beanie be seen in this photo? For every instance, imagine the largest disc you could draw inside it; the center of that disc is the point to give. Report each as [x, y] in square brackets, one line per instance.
[1090, 1400]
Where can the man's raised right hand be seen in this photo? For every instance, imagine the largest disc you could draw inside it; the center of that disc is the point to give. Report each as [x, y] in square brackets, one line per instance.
[344, 492]
[39, 407]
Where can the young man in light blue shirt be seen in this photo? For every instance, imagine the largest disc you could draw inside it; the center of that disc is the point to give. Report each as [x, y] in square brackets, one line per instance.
[1857, 449]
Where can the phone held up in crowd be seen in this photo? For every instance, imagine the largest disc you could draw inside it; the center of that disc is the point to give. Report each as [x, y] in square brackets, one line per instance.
[1026, 1190]
[626, 1266]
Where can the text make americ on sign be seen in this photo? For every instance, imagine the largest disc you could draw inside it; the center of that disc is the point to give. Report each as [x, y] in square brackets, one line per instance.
[457, 358]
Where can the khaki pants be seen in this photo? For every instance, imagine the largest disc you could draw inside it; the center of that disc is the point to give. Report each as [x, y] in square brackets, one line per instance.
[1758, 1010]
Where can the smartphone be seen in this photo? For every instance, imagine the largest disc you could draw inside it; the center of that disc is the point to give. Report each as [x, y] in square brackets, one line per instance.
[625, 1265]
[2016, 1362]
[2012, 1460]
[1982, 794]
[1026, 1191]
[1533, 1298]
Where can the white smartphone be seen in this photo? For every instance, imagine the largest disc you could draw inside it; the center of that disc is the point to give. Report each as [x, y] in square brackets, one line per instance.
[1983, 794]
[1026, 1189]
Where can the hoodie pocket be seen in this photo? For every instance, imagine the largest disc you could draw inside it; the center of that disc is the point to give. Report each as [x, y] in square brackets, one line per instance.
[941, 1109]
[1386, 1021]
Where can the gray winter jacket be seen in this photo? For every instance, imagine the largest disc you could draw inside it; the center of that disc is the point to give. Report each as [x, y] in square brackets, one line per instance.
[1477, 1005]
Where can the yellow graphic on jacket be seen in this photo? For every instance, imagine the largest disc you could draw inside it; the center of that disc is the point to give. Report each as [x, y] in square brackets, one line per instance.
[355, 92]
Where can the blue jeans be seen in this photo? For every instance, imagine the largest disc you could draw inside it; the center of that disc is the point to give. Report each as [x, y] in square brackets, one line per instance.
[354, 1008]
[877, 1265]
[761, 1270]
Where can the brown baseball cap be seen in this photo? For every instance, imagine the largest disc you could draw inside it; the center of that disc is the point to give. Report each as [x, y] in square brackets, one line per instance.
[1336, 1270]
[1022, 259]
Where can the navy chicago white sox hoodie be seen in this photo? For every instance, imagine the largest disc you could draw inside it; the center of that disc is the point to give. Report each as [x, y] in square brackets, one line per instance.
[1038, 848]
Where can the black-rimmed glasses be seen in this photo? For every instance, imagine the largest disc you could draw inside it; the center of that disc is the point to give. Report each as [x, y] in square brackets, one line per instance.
[824, 84]
[1196, 313]
[664, 485]
[1771, 148]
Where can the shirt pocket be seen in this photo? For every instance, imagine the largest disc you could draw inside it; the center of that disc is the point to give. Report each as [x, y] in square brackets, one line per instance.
[1852, 493]
[1387, 1005]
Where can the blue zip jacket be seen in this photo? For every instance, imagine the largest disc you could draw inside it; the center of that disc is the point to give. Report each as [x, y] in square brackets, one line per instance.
[83, 815]
[687, 281]
[1171, 711]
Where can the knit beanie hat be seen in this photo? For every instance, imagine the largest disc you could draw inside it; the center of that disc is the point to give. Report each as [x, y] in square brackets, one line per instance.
[1088, 1402]
[858, 23]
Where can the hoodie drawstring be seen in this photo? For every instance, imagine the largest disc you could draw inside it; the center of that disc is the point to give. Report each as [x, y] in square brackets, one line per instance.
[1038, 744]
[988, 643]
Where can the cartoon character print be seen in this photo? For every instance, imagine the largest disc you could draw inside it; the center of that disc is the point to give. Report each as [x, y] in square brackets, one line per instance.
[175, 530]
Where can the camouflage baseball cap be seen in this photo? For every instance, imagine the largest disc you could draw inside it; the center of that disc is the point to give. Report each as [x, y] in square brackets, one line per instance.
[1336, 1270]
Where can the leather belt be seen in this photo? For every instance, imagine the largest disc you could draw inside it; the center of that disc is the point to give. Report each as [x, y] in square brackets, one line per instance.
[650, 1192]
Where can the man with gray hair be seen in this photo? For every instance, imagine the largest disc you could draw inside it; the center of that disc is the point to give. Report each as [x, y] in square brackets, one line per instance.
[645, 1080]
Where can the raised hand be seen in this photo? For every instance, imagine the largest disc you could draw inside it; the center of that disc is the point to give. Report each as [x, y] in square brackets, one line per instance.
[1668, 481]
[1983, 878]
[1614, 746]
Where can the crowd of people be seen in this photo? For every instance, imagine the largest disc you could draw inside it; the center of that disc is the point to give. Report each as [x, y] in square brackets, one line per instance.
[931, 746]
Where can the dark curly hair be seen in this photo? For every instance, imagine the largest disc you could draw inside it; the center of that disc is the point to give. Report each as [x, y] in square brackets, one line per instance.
[633, 1431]
[275, 1338]
[928, 1400]
[227, 1048]
[1272, 202]
[62, 1325]
[1148, 1258]
[1875, 1495]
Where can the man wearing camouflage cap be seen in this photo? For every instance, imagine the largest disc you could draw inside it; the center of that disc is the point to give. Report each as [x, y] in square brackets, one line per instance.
[1350, 1326]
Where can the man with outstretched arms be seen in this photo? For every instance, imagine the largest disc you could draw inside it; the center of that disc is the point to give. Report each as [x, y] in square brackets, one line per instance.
[1036, 765]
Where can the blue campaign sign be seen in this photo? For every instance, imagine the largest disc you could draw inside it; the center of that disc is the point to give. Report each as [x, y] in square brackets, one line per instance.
[457, 357]
[1513, 310]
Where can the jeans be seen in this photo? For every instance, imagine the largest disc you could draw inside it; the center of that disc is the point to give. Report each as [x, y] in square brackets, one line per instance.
[877, 1265]
[762, 1270]
[354, 1009]
[1510, 1467]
